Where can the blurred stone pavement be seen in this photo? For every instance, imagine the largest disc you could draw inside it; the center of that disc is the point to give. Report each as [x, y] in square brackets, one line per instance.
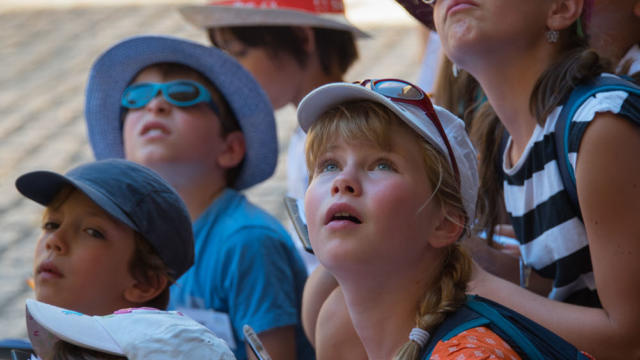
[46, 50]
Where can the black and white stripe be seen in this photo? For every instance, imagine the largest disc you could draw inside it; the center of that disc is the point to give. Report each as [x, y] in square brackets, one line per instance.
[553, 239]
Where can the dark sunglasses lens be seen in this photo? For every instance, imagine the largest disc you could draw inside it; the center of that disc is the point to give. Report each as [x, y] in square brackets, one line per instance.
[398, 89]
[183, 92]
[138, 95]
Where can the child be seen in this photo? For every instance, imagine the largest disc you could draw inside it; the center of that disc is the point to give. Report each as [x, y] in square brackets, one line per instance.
[527, 67]
[193, 114]
[141, 333]
[114, 235]
[385, 211]
[290, 47]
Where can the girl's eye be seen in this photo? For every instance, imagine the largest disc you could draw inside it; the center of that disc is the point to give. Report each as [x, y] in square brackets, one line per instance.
[384, 165]
[94, 233]
[328, 166]
[50, 226]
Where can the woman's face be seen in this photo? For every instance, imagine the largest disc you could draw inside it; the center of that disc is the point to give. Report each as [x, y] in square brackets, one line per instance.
[475, 31]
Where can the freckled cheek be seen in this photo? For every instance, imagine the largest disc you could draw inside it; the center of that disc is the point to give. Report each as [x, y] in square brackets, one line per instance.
[310, 207]
[390, 202]
[313, 206]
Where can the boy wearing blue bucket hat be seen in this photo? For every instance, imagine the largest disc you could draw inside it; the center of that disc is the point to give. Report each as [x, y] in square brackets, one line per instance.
[197, 117]
[114, 235]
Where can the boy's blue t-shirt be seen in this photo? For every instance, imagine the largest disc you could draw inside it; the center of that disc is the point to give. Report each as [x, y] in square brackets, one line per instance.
[246, 271]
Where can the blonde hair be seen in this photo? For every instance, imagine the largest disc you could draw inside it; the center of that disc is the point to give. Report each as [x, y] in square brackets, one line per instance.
[373, 122]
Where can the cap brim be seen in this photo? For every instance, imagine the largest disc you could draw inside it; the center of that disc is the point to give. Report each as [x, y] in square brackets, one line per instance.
[117, 67]
[45, 321]
[43, 186]
[211, 16]
[328, 96]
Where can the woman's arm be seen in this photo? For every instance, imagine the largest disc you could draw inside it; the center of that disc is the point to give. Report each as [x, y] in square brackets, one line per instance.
[608, 183]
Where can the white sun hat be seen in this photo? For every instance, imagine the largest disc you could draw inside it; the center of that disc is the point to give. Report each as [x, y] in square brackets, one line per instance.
[142, 333]
[328, 14]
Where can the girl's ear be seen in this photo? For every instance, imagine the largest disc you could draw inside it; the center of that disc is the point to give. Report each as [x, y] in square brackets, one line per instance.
[141, 292]
[448, 230]
[563, 13]
[234, 150]
[636, 9]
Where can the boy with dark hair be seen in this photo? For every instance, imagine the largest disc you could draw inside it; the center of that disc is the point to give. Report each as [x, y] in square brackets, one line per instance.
[114, 235]
[193, 114]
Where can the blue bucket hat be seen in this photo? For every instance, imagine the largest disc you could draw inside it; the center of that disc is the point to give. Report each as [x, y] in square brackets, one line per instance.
[131, 193]
[114, 70]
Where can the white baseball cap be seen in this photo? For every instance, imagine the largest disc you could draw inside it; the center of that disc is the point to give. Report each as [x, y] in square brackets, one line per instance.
[328, 96]
[142, 333]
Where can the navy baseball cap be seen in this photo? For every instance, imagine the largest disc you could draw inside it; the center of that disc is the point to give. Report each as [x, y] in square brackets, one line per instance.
[131, 193]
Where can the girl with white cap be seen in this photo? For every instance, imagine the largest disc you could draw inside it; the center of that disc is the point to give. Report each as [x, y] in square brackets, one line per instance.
[393, 188]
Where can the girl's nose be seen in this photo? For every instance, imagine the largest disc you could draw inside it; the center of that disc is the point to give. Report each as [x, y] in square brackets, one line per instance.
[346, 183]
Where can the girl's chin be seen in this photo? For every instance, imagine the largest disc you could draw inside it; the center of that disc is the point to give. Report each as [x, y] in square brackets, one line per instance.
[345, 260]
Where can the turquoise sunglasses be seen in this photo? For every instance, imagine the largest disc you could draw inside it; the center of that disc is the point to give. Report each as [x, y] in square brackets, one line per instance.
[182, 93]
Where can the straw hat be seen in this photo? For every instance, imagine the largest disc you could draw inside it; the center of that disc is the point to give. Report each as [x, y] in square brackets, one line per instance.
[314, 13]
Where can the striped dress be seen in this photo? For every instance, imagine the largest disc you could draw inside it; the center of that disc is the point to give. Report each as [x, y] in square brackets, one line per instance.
[552, 238]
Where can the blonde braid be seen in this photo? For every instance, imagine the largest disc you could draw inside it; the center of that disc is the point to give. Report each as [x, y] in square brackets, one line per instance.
[438, 302]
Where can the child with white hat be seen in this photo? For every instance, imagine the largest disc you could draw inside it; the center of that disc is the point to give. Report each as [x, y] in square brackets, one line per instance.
[393, 188]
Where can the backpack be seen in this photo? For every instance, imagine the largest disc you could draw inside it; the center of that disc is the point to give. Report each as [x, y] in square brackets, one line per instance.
[577, 97]
[527, 338]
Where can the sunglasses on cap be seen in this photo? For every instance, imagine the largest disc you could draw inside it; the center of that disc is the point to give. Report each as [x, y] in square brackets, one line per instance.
[401, 91]
[182, 93]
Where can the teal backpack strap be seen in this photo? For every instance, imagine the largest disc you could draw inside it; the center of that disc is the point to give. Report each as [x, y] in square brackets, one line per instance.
[577, 97]
[498, 320]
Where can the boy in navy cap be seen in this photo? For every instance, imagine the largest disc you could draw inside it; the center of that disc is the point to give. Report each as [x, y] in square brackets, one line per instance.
[193, 114]
[114, 235]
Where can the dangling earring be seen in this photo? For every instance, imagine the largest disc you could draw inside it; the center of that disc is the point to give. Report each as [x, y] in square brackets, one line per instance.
[552, 36]
[454, 70]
